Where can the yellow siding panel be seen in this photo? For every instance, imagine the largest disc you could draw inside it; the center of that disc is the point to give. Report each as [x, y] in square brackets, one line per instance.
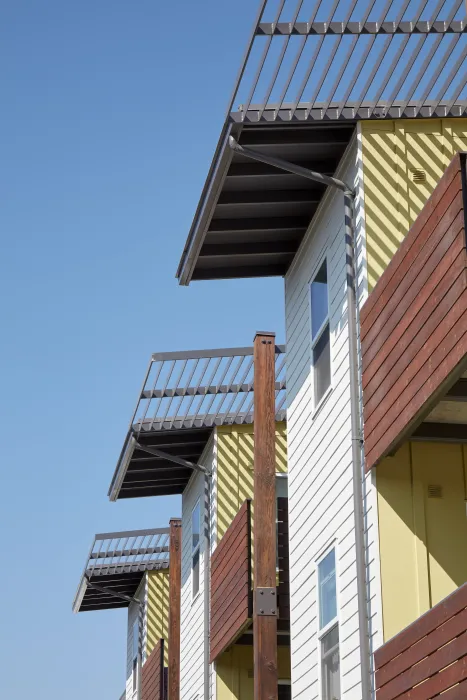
[397, 542]
[235, 469]
[392, 152]
[234, 670]
[442, 466]
[157, 611]
[423, 529]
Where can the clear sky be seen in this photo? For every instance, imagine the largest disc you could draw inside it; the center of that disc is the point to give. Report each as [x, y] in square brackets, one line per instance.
[110, 114]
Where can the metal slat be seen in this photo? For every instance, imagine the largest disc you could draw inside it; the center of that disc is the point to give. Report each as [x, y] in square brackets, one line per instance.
[455, 69]
[377, 64]
[357, 26]
[450, 48]
[421, 72]
[337, 81]
[279, 61]
[262, 60]
[324, 74]
[393, 66]
[420, 41]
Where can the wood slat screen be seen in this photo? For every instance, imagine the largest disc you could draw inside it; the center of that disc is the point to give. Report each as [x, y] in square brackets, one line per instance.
[231, 602]
[428, 657]
[283, 589]
[414, 323]
[153, 676]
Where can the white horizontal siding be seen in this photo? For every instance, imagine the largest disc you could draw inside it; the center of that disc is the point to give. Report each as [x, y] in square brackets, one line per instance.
[320, 454]
[135, 612]
[192, 611]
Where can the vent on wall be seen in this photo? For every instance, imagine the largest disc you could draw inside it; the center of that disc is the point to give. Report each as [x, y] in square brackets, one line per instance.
[418, 175]
[435, 491]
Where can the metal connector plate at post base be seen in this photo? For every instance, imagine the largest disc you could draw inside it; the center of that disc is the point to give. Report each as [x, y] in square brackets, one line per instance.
[265, 600]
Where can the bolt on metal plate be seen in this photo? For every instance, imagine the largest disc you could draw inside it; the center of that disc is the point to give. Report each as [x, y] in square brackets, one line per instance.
[265, 600]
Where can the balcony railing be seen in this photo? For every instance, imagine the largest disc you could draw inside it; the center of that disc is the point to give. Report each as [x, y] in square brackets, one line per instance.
[231, 581]
[153, 675]
[414, 328]
[429, 657]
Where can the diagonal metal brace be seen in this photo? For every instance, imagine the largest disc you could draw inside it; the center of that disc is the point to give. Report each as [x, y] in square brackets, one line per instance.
[290, 167]
[109, 591]
[172, 458]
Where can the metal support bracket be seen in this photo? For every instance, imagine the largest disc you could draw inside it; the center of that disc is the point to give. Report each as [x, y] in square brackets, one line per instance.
[290, 167]
[172, 458]
[109, 591]
[265, 602]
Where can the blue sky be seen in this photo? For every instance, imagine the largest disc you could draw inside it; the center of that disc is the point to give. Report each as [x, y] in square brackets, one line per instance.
[110, 115]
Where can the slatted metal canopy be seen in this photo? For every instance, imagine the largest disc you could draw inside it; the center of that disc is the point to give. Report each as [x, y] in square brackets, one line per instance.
[116, 565]
[312, 69]
[184, 396]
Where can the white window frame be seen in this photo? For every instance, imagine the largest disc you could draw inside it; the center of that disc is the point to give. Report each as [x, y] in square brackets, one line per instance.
[314, 341]
[196, 550]
[335, 622]
[135, 667]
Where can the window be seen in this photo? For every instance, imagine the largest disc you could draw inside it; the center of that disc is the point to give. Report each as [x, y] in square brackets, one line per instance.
[329, 628]
[135, 655]
[320, 340]
[195, 546]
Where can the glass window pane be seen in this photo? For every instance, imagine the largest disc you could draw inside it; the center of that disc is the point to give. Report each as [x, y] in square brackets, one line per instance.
[195, 573]
[330, 662]
[135, 674]
[319, 300]
[135, 639]
[195, 526]
[327, 589]
[322, 365]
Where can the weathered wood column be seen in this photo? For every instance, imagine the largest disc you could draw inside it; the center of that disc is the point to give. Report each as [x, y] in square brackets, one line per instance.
[264, 522]
[175, 580]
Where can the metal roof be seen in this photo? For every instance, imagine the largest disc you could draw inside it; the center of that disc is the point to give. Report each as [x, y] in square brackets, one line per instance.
[116, 565]
[183, 397]
[312, 66]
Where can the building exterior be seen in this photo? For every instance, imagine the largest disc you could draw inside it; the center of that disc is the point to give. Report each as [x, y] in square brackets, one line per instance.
[192, 433]
[348, 180]
[359, 540]
[132, 569]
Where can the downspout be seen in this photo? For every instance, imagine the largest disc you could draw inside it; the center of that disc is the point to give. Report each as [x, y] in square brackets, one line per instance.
[355, 404]
[357, 446]
[207, 561]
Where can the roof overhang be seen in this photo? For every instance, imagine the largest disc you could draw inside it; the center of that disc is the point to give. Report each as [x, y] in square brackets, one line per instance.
[185, 395]
[308, 75]
[255, 216]
[115, 567]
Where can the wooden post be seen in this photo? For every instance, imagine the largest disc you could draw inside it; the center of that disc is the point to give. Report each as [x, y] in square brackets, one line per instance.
[175, 580]
[264, 523]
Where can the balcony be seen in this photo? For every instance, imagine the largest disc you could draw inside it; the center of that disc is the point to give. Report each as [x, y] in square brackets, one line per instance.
[428, 657]
[154, 675]
[414, 330]
[231, 583]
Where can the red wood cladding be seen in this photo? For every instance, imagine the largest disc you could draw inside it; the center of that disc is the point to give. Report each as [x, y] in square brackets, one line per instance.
[283, 590]
[428, 657]
[414, 323]
[152, 674]
[231, 583]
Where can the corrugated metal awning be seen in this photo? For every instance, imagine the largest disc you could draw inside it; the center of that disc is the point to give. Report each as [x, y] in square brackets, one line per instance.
[184, 396]
[312, 69]
[116, 565]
